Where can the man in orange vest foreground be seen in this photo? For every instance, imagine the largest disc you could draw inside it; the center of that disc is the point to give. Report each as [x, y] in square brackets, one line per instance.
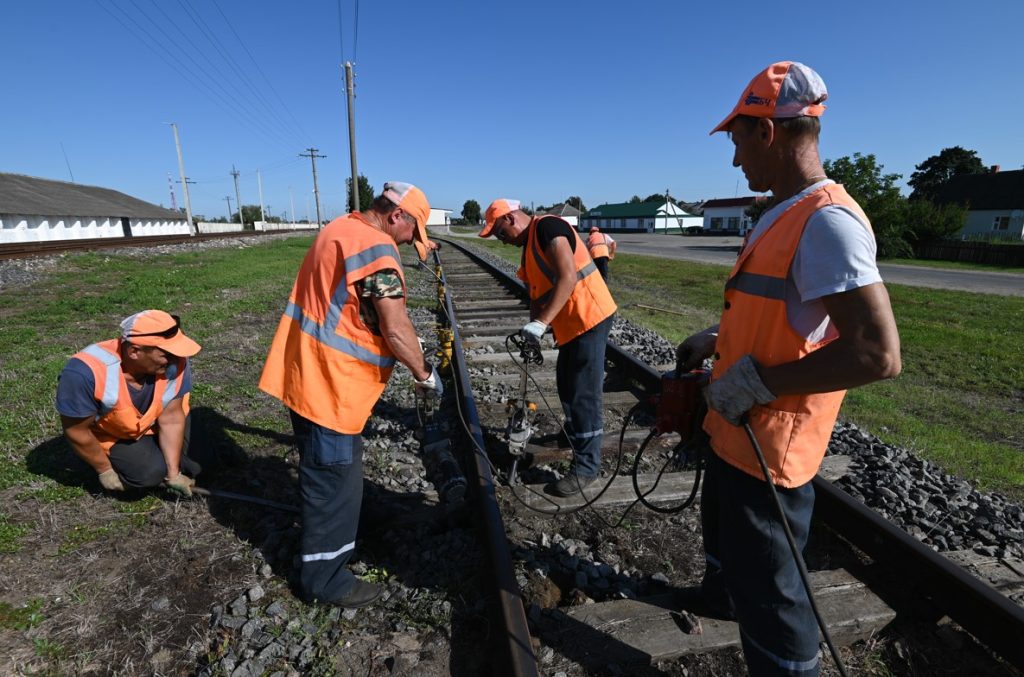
[123, 404]
[602, 250]
[342, 331]
[805, 317]
[567, 295]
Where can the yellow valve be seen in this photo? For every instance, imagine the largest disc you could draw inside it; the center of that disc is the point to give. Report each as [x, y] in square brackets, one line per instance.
[532, 406]
[445, 338]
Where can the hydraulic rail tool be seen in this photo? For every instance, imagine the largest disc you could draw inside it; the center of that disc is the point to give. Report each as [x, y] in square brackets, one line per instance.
[443, 469]
[521, 411]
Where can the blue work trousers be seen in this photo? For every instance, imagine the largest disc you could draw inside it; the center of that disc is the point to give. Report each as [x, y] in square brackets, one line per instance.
[331, 485]
[580, 377]
[743, 536]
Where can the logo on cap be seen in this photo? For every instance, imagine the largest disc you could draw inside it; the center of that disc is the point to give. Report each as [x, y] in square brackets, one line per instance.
[754, 100]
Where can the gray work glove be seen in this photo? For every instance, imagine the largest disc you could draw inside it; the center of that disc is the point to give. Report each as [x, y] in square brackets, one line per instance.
[180, 484]
[432, 386]
[737, 390]
[692, 352]
[532, 331]
[111, 481]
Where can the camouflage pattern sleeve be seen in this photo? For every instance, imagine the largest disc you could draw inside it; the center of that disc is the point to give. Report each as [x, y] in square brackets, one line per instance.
[382, 284]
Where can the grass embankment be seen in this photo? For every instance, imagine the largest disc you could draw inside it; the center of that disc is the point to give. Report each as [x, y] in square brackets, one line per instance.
[959, 401]
[955, 265]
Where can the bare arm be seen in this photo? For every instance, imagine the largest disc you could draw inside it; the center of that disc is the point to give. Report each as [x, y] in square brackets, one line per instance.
[84, 443]
[171, 436]
[559, 252]
[397, 330]
[867, 350]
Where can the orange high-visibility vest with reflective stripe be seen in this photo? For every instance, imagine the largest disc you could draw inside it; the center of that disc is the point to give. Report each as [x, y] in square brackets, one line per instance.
[118, 418]
[598, 245]
[792, 430]
[590, 303]
[324, 363]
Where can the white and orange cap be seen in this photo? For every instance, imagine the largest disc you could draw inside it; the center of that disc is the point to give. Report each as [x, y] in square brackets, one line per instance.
[786, 89]
[160, 329]
[412, 200]
[495, 211]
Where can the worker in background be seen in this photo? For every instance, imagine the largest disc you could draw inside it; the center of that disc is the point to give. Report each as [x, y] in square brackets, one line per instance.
[602, 250]
[345, 326]
[805, 317]
[123, 404]
[569, 297]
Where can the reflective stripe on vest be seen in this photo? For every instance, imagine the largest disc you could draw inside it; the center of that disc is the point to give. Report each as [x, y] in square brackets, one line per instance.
[326, 334]
[793, 430]
[112, 381]
[590, 302]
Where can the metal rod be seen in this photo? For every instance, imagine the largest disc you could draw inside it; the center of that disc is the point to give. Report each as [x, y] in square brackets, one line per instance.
[660, 310]
[232, 496]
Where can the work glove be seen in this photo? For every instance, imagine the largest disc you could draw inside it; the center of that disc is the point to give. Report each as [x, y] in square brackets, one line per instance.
[180, 484]
[431, 386]
[111, 481]
[532, 331]
[737, 390]
[695, 349]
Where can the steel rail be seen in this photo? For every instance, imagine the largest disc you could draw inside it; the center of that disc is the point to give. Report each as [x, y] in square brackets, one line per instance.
[517, 645]
[981, 610]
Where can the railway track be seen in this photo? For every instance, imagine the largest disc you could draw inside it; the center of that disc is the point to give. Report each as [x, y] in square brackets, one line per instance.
[622, 615]
[23, 250]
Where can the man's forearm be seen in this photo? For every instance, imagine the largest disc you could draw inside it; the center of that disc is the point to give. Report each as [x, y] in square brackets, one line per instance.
[171, 438]
[87, 447]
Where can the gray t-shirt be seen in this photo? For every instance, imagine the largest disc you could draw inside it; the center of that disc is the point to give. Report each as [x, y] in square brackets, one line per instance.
[836, 253]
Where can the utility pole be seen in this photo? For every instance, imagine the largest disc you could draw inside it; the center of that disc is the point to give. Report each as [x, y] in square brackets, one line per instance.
[259, 182]
[228, 198]
[312, 155]
[170, 183]
[291, 198]
[184, 181]
[238, 197]
[350, 89]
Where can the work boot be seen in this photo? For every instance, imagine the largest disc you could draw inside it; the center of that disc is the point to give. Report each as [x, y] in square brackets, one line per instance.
[570, 485]
[362, 594]
[710, 599]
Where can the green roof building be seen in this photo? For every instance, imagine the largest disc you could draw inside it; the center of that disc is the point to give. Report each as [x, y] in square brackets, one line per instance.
[662, 216]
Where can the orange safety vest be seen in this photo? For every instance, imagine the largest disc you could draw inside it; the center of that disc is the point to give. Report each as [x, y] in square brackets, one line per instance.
[325, 363]
[590, 303]
[598, 245]
[118, 418]
[792, 430]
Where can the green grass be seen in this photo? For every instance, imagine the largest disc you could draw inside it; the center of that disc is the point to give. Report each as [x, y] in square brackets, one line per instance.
[959, 401]
[24, 617]
[9, 535]
[954, 265]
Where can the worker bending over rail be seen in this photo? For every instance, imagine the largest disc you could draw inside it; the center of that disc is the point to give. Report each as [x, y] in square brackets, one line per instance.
[344, 327]
[567, 295]
[123, 404]
[805, 317]
[602, 250]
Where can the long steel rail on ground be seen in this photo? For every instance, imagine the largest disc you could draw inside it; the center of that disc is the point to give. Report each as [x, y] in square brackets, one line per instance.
[982, 611]
[21, 250]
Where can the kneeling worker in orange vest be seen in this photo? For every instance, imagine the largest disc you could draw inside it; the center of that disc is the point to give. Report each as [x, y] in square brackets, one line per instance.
[344, 327]
[805, 317]
[602, 250]
[567, 294]
[123, 404]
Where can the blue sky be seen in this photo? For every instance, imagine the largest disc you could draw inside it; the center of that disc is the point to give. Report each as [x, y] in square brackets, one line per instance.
[476, 100]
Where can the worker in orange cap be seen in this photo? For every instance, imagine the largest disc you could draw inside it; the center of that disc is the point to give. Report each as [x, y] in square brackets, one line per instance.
[344, 327]
[805, 317]
[123, 404]
[569, 296]
[602, 250]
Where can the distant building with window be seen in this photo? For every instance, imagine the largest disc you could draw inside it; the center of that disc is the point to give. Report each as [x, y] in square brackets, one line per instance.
[728, 216]
[994, 202]
[639, 217]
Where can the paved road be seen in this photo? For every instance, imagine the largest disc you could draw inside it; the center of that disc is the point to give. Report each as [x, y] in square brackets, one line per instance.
[722, 251]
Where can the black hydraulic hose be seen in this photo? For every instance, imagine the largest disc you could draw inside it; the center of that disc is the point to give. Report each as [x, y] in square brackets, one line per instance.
[642, 496]
[797, 557]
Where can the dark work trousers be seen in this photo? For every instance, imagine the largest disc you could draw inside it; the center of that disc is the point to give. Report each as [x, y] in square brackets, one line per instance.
[602, 266]
[140, 463]
[743, 536]
[579, 373]
[331, 484]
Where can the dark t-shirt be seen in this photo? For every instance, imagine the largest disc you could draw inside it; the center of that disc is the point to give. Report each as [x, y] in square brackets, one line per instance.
[550, 227]
[76, 389]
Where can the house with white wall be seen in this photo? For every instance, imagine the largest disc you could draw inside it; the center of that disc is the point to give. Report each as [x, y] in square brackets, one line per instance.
[34, 209]
[994, 202]
[727, 216]
[663, 216]
[564, 211]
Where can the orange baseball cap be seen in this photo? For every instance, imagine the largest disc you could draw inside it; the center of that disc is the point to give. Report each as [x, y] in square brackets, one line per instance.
[495, 211]
[412, 200]
[160, 329]
[786, 89]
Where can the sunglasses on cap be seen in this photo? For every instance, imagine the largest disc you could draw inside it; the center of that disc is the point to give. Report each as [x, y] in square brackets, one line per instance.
[166, 333]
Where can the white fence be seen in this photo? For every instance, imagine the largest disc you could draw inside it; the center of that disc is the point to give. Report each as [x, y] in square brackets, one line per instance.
[24, 228]
[205, 227]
